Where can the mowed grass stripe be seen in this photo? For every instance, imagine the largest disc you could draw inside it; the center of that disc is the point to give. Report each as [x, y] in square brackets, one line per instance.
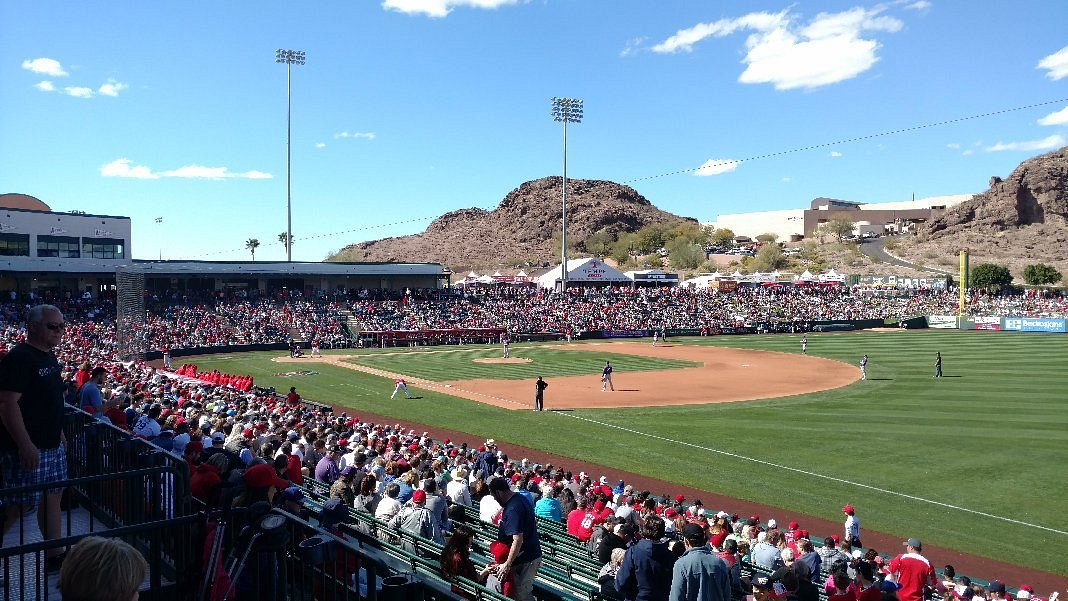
[994, 439]
[547, 362]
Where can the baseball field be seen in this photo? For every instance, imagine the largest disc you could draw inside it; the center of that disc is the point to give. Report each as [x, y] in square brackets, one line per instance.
[974, 461]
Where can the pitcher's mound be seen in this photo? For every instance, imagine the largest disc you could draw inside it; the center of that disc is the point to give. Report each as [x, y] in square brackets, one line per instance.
[501, 360]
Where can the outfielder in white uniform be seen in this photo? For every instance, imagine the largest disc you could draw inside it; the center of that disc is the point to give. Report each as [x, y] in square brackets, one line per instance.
[400, 386]
[864, 367]
[804, 345]
[504, 343]
[656, 335]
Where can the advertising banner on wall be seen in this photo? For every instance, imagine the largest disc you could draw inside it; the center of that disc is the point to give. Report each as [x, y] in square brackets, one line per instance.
[987, 323]
[1035, 324]
[942, 322]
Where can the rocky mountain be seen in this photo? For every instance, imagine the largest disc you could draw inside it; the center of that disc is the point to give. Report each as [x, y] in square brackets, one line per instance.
[1035, 192]
[520, 229]
[1020, 220]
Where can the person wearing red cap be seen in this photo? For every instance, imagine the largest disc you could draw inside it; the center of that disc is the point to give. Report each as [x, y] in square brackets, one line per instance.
[400, 385]
[415, 518]
[852, 527]
[261, 484]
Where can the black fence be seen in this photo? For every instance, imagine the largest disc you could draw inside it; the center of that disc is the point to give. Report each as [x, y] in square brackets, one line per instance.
[118, 486]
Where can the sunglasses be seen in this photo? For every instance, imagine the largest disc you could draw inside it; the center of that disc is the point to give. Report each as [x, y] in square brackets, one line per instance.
[55, 326]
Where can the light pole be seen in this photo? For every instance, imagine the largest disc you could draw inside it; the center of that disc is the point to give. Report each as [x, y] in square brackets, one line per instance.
[289, 58]
[565, 110]
[159, 220]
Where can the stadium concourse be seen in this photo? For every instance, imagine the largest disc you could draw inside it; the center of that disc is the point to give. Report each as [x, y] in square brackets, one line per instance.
[225, 434]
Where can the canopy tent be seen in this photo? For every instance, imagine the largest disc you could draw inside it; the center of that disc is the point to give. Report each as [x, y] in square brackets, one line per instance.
[584, 272]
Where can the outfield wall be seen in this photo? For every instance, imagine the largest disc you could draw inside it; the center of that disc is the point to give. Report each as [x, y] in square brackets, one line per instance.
[1056, 325]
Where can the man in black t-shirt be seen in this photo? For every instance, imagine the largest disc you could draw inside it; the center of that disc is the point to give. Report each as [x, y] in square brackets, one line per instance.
[32, 446]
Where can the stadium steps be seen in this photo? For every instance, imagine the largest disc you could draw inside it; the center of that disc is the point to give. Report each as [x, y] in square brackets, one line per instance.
[238, 333]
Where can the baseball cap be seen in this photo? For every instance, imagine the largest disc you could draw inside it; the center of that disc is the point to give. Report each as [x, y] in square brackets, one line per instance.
[794, 525]
[348, 471]
[679, 498]
[996, 587]
[293, 494]
[694, 533]
[419, 496]
[772, 523]
[761, 581]
[1025, 592]
[848, 509]
[262, 476]
[889, 586]
[218, 437]
[913, 542]
[334, 512]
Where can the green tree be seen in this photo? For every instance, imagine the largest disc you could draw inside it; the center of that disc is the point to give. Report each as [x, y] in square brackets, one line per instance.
[251, 245]
[991, 276]
[599, 243]
[721, 237]
[1041, 274]
[650, 238]
[685, 254]
[282, 238]
[767, 237]
[651, 260]
[768, 258]
[687, 230]
[839, 225]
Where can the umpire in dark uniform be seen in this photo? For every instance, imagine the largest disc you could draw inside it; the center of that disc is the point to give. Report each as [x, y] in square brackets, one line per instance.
[31, 424]
[539, 394]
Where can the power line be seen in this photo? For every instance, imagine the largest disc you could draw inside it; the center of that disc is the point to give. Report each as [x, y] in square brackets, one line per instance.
[853, 139]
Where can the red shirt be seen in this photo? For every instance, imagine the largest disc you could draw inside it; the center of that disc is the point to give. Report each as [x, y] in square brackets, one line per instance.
[292, 398]
[914, 573]
[580, 524]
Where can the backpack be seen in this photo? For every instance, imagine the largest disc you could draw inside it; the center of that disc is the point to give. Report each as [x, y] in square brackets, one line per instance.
[595, 539]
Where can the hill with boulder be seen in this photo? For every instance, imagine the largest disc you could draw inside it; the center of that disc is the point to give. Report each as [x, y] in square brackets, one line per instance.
[524, 228]
[1020, 220]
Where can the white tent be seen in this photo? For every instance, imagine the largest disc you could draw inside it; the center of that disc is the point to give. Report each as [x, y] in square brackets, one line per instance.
[806, 276]
[584, 271]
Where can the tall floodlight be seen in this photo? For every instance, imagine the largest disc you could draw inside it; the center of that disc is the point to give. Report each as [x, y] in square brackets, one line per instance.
[565, 110]
[289, 58]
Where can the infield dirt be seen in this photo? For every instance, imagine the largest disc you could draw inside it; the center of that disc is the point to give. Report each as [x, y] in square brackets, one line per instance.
[725, 375]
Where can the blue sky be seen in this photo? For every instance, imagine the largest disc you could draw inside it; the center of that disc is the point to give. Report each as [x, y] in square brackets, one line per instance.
[407, 109]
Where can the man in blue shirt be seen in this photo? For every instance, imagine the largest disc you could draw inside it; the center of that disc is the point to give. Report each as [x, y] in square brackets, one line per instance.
[518, 529]
[89, 395]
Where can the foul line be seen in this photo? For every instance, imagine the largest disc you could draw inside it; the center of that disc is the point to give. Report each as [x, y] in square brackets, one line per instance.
[808, 473]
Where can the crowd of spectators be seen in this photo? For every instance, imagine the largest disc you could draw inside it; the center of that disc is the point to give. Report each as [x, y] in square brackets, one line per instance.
[244, 444]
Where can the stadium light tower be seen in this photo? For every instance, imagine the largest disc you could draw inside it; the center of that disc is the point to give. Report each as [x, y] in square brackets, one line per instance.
[565, 110]
[289, 58]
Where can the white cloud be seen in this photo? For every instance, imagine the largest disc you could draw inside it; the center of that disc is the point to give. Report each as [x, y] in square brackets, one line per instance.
[48, 66]
[634, 45]
[828, 49]
[78, 92]
[1058, 118]
[835, 154]
[716, 167]
[1054, 141]
[968, 152]
[355, 134]
[785, 180]
[320, 145]
[1056, 63]
[45, 86]
[953, 145]
[919, 5]
[440, 8]
[112, 88]
[124, 168]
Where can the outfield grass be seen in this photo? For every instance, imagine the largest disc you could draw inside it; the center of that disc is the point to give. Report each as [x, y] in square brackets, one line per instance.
[990, 437]
[443, 365]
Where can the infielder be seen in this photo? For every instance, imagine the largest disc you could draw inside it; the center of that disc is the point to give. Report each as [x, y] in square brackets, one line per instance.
[804, 345]
[656, 334]
[400, 386]
[315, 347]
[504, 343]
[606, 377]
[864, 367]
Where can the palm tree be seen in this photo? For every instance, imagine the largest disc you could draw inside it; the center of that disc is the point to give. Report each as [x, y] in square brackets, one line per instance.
[282, 238]
[252, 244]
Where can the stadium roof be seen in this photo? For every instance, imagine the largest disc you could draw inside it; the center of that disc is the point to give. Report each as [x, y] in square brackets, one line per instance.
[219, 268]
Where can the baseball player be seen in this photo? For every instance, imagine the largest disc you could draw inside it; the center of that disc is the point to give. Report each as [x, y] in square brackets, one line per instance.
[400, 386]
[606, 377]
[166, 358]
[504, 343]
[539, 394]
[315, 347]
[656, 334]
[864, 367]
[804, 344]
[938, 364]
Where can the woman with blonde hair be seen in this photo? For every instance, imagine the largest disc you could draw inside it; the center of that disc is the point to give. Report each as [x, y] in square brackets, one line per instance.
[102, 569]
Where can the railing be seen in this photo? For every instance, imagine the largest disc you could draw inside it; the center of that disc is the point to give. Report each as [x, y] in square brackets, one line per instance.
[118, 486]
